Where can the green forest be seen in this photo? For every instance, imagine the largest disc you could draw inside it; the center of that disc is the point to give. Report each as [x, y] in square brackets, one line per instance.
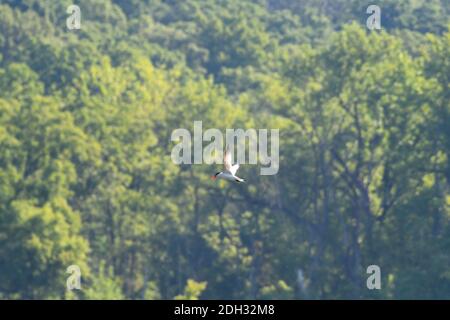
[86, 176]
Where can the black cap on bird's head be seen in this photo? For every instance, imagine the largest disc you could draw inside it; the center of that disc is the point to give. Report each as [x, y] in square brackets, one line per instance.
[214, 177]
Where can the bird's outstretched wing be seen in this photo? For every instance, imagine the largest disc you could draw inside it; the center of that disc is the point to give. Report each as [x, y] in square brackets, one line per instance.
[227, 159]
[234, 169]
[227, 162]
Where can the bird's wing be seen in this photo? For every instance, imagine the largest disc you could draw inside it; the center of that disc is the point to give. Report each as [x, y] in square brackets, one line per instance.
[227, 159]
[234, 169]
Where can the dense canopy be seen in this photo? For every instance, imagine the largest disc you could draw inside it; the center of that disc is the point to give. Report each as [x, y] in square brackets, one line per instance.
[86, 176]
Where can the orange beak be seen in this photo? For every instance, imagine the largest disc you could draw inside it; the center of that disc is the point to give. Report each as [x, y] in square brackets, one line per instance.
[213, 177]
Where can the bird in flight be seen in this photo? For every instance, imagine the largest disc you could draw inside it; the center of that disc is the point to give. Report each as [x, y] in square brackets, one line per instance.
[230, 170]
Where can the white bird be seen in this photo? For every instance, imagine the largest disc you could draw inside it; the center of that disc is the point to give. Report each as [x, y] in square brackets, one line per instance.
[230, 170]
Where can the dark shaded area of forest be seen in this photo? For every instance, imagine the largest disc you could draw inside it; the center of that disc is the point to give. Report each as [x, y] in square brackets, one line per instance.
[86, 176]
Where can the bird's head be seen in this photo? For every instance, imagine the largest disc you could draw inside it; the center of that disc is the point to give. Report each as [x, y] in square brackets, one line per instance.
[214, 177]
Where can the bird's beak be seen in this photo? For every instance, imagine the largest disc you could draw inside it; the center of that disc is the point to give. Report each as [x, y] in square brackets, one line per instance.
[213, 177]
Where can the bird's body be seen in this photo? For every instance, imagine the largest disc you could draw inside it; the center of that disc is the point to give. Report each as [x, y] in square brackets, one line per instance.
[228, 176]
[230, 170]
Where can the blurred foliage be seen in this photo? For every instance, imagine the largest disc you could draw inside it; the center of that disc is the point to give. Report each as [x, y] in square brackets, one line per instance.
[192, 291]
[86, 176]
